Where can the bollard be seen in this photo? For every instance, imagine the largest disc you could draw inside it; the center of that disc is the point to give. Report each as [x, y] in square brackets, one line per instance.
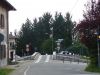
[78, 61]
[70, 60]
[63, 59]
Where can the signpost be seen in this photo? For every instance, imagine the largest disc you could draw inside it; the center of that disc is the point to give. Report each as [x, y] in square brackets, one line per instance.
[35, 49]
[27, 48]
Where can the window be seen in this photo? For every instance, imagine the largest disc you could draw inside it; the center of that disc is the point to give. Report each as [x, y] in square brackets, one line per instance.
[12, 45]
[2, 21]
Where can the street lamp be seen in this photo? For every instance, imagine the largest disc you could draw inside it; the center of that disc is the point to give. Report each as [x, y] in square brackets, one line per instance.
[52, 38]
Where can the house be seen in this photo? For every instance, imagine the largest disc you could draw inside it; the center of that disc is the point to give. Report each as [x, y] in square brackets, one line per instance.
[5, 7]
[12, 43]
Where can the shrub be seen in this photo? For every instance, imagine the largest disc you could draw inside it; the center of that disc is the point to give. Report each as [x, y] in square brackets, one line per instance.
[92, 68]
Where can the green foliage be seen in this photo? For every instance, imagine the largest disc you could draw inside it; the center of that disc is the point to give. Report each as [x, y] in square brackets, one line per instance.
[88, 27]
[92, 68]
[78, 48]
[85, 57]
[5, 71]
[36, 34]
[47, 46]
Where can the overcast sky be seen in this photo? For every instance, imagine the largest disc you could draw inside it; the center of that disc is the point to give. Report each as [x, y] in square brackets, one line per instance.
[36, 8]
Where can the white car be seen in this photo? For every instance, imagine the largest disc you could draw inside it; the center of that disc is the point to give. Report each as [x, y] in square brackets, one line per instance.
[63, 52]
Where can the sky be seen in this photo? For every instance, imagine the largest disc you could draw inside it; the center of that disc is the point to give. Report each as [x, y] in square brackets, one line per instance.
[36, 8]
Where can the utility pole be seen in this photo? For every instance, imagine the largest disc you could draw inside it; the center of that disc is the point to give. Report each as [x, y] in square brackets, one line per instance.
[52, 39]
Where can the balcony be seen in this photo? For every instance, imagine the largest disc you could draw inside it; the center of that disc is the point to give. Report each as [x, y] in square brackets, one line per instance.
[11, 47]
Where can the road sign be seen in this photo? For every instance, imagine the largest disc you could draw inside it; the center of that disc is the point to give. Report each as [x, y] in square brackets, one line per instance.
[58, 43]
[1, 37]
[35, 49]
[27, 45]
[27, 49]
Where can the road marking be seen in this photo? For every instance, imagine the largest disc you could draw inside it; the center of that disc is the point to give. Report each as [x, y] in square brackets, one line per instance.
[39, 59]
[26, 70]
[47, 59]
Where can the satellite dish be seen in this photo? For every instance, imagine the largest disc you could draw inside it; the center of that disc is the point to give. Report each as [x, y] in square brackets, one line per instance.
[1, 37]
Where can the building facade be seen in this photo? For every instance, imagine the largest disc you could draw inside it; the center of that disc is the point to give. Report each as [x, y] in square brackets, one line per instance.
[5, 7]
[12, 43]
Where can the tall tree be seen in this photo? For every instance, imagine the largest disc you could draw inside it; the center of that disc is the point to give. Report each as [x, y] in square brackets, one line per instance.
[68, 30]
[88, 27]
[25, 36]
[42, 28]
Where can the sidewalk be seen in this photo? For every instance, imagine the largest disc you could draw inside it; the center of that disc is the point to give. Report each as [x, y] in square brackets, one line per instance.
[17, 69]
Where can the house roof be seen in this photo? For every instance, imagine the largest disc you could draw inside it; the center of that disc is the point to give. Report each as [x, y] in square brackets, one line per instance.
[11, 36]
[7, 5]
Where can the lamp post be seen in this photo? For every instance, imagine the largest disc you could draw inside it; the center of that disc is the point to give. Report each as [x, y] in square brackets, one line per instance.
[52, 38]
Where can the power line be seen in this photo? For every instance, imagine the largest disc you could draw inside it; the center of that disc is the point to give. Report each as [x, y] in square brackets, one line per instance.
[74, 6]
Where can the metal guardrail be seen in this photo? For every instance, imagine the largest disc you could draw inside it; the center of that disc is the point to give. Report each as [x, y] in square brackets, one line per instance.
[31, 57]
[71, 58]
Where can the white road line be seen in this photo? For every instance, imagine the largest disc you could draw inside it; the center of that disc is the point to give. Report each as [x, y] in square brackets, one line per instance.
[39, 59]
[26, 70]
[47, 59]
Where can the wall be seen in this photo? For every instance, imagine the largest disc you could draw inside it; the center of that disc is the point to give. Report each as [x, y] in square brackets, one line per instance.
[4, 32]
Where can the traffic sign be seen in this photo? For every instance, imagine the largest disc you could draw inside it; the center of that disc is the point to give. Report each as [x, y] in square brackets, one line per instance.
[1, 37]
[27, 49]
[27, 45]
[58, 43]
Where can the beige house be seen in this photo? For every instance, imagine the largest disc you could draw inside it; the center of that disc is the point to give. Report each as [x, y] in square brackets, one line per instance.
[12, 46]
[5, 7]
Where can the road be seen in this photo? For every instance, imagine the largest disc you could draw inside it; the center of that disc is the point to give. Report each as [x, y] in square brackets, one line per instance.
[44, 65]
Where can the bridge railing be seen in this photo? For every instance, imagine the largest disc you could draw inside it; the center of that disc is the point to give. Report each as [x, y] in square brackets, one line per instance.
[71, 58]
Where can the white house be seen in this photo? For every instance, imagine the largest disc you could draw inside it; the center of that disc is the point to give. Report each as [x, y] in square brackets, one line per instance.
[5, 7]
[12, 46]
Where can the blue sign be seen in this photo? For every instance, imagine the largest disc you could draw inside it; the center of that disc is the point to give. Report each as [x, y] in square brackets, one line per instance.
[58, 41]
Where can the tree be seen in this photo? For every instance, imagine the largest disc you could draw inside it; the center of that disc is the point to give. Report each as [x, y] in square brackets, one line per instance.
[88, 27]
[68, 30]
[36, 34]
[25, 36]
[42, 29]
[46, 46]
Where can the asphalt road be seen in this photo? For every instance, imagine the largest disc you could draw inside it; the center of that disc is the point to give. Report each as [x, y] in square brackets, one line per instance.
[44, 65]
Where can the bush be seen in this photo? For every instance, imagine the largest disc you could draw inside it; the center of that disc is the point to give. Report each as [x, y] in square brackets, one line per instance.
[85, 57]
[92, 68]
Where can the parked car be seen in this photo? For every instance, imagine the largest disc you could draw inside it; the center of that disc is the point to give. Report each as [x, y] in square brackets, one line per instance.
[63, 52]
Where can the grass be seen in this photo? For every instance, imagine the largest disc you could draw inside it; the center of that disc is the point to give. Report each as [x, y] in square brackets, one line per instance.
[5, 71]
[92, 68]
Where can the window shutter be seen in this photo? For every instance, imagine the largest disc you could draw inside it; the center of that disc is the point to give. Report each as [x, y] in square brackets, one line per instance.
[2, 21]
[4, 51]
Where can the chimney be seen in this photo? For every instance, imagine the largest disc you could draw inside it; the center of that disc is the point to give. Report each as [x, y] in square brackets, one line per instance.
[10, 33]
